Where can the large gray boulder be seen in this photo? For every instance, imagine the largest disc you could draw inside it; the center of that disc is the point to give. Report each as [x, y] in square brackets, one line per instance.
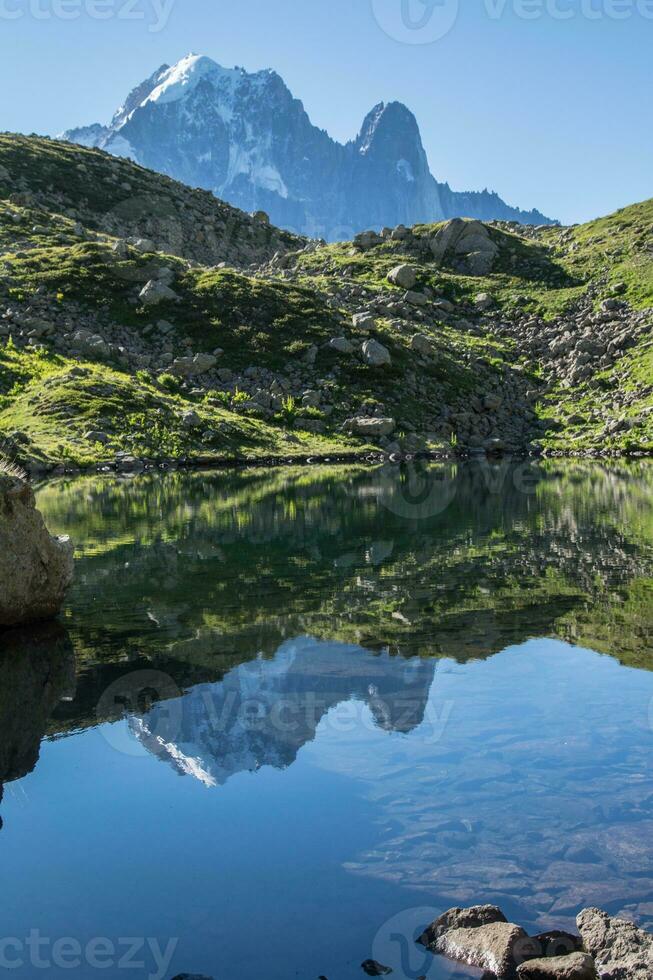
[494, 947]
[370, 428]
[188, 367]
[620, 949]
[154, 292]
[467, 245]
[403, 275]
[459, 918]
[375, 354]
[35, 568]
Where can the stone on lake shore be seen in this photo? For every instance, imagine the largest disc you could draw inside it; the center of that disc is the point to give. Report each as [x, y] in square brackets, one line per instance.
[574, 966]
[493, 946]
[35, 567]
[621, 950]
[458, 918]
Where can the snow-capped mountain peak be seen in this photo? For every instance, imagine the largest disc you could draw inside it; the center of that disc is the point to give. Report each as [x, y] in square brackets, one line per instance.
[245, 138]
[184, 77]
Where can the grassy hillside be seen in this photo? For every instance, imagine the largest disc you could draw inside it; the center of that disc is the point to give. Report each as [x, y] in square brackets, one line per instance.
[139, 316]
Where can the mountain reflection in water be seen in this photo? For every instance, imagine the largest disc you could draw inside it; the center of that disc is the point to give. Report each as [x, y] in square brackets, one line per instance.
[264, 711]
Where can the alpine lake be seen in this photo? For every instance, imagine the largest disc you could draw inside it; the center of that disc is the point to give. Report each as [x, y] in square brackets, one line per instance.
[290, 716]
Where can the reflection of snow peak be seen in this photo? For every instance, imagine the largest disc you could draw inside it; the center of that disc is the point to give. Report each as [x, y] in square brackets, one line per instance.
[264, 711]
[184, 764]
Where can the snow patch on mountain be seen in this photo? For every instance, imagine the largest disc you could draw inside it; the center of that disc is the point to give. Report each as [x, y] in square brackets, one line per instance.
[118, 146]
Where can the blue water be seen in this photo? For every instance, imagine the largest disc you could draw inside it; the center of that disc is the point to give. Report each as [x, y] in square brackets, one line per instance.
[289, 805]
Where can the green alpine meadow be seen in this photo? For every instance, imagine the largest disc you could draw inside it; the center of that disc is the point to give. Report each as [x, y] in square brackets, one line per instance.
[142, 320]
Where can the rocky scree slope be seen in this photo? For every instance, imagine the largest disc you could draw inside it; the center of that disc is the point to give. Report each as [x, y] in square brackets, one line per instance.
[459, 336]
[245, 138]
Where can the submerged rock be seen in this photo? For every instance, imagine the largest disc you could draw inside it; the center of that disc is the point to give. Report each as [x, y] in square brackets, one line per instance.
[374, 969]
[192, 976]
[620, 949]
[35, 568]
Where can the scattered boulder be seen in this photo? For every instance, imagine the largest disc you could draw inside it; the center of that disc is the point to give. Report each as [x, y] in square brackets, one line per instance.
[375, 354]
[483, 301]
[363, 320]
[467, 245]
[371, 428]
[422, 345]
[154, 292]
[366, 240]
[404, 276]
[191, 420]
[94, 436]
[575, 966]
[143, 245]
[35, 568]
[187, 367]
[415, 299]
[620, 949]
[341, 345]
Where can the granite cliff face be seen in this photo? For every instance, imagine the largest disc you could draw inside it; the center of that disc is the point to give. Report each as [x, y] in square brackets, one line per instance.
[245, 138]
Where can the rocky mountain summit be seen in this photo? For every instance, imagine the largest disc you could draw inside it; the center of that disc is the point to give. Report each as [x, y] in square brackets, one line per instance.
[248, 141]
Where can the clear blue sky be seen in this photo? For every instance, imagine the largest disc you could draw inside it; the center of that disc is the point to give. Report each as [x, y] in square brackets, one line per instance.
[551, 113]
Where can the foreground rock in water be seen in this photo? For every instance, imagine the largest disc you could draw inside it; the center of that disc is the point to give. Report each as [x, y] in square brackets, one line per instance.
[494, 946]
[621, 950]
[35, 568]
[482, 937]
[472, 918]
[607, 948]
[575, 966]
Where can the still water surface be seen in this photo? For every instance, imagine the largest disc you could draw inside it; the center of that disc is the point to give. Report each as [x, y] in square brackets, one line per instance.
[288, 717]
